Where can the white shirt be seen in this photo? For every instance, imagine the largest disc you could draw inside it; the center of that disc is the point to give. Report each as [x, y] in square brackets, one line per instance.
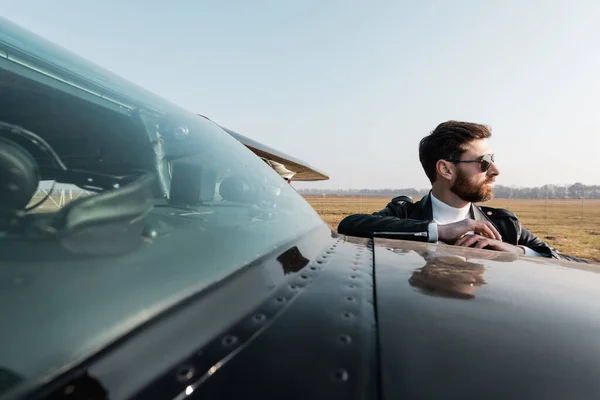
[444, 214]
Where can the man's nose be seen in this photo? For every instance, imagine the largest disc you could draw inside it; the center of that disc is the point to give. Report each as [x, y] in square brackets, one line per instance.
[494, 170]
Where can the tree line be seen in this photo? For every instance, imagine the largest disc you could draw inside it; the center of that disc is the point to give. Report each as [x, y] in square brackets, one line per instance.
[574, 191]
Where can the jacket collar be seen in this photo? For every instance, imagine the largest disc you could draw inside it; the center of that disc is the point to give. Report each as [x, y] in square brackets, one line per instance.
[423, 210]
[478, 214]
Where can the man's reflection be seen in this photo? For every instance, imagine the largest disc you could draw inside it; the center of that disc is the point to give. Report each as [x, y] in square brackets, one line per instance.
[449, 271]
[448, 276]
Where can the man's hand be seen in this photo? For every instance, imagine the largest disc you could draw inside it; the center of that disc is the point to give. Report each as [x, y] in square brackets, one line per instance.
[480, 242]
[451, 232]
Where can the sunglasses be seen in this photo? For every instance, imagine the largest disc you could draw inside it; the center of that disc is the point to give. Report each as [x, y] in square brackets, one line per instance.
[486, 161]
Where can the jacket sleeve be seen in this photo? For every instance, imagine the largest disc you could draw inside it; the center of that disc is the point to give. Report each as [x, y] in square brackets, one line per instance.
[535, 243]
[391, 222]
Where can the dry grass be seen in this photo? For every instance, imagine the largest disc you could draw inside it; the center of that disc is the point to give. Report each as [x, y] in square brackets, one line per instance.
[561, 223]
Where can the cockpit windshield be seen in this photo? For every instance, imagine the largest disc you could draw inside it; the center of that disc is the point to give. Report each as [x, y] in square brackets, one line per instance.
[215, 208]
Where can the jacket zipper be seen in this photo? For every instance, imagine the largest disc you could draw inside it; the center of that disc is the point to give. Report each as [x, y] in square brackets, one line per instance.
[401, 233]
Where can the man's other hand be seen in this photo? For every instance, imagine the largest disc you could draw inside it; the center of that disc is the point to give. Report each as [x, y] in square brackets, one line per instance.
[480, 242]
[451, 232]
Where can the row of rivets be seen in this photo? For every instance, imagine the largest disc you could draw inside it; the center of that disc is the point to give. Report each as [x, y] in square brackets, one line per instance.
[187, 372]
[340, 375]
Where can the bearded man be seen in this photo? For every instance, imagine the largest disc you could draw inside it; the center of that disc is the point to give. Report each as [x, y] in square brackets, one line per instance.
[459, 163]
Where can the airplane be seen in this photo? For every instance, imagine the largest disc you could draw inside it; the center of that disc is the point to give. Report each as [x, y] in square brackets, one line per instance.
[195, 271]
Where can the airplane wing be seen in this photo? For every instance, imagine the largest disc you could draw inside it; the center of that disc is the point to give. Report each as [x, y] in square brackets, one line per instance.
[290, 168]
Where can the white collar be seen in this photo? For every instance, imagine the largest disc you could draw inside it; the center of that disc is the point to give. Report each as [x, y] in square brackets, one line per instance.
[445, 214]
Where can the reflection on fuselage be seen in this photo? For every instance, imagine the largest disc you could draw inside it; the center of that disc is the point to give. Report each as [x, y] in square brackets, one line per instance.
[292, 260]
[449, 276]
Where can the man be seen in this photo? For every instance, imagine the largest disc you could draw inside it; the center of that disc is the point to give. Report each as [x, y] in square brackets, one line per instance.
[459, 163]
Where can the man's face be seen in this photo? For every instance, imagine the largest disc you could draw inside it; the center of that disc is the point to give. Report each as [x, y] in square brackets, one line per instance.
[471, 183]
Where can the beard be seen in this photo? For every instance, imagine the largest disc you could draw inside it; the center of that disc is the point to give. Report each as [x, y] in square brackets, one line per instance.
[471, 191]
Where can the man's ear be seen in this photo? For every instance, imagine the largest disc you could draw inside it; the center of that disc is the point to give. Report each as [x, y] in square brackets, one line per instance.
[445, 169]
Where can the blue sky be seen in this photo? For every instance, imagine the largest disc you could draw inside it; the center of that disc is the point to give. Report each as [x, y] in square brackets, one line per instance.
[352, 86]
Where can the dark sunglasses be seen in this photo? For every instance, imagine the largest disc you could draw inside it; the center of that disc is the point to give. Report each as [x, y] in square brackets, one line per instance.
[486, 161]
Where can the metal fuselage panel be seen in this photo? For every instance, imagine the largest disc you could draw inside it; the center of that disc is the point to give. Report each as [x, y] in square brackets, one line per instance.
[305, 328]
[355, 319]
[315, 338]
[464, 323]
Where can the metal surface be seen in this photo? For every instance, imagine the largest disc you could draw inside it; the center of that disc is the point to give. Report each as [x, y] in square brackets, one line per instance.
[302, 326]
[149, 350]
[447, 323]
[314, 338]
[302, 171]
[466, 323]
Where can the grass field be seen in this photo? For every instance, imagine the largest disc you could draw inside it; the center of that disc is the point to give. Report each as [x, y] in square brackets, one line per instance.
[563, 224]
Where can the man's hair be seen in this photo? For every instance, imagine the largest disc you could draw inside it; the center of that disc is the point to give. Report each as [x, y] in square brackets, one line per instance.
[448, 141]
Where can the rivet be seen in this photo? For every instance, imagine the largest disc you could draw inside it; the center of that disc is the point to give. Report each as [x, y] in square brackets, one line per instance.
[489, 213]
[341, 375]
[259, 317]
[69, 389]
[345, 339]
[293, 287]
[353, 276]
[280, 299]
[350, 298]
[185, 373]
[352, 286]
[313, 268]
[229, 340]
[347, 314]
[304, 276]
[319, 262]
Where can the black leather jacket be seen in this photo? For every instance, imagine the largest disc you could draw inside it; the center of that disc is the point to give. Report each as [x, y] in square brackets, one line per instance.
[403, 219]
